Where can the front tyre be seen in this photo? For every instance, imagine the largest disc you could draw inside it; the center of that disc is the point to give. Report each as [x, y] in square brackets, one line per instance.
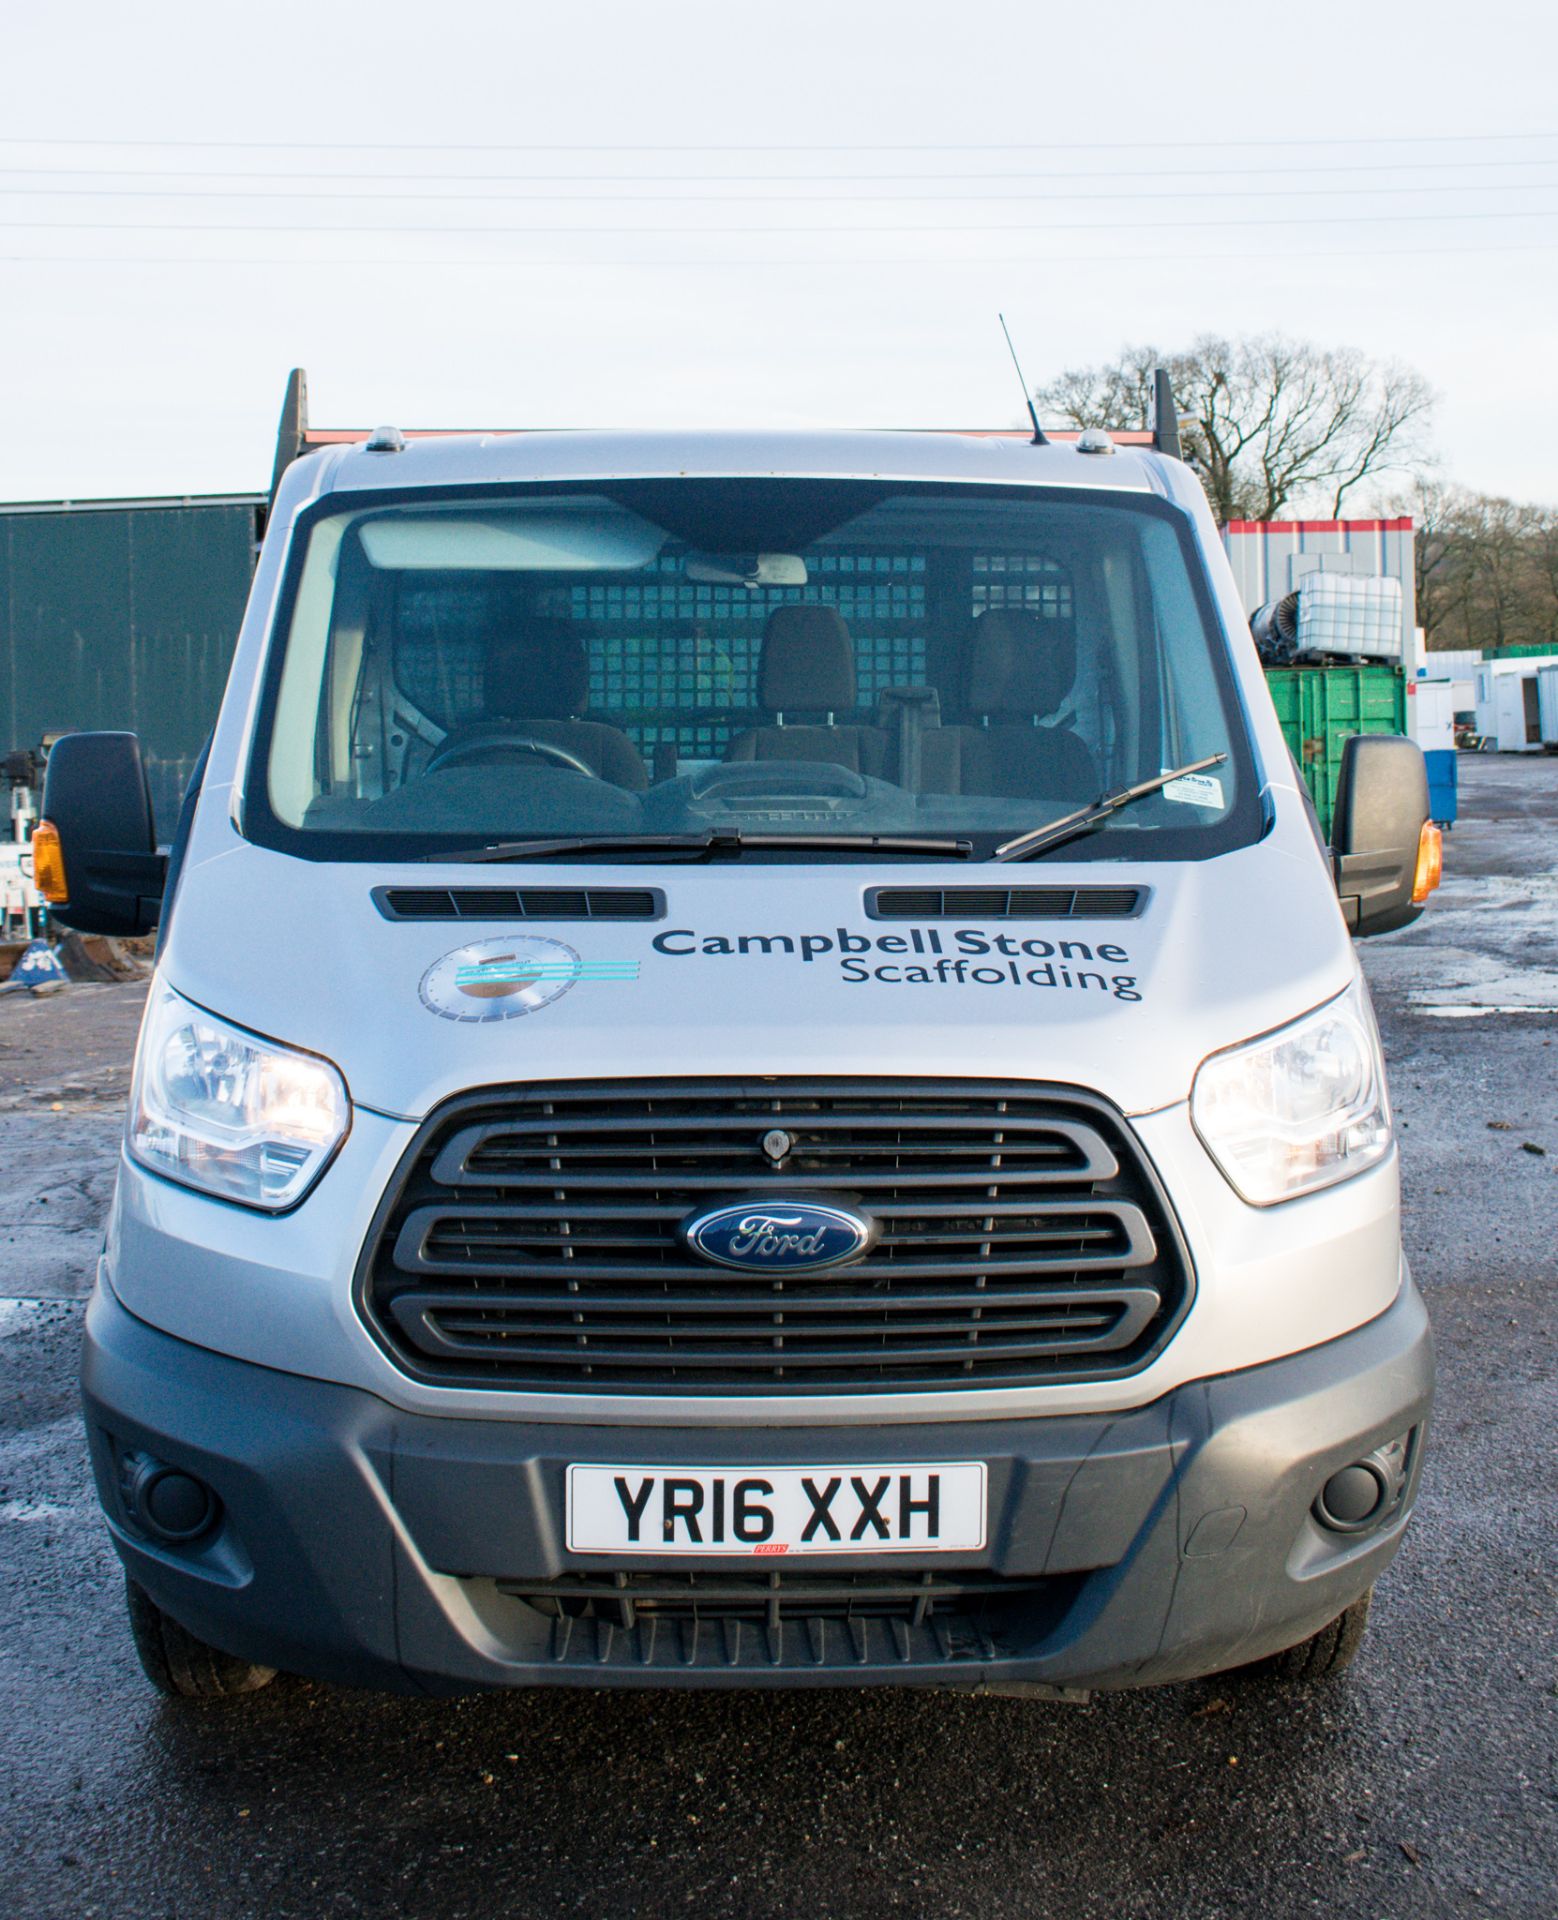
[1322, 1656]
[178, 1664]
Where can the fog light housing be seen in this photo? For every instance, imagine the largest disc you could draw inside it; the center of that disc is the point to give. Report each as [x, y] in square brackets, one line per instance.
[1353, 1497]
[1362, 1495]
[166, 1503]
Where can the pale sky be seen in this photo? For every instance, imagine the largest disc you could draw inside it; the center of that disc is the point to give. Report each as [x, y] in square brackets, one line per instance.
[606, 213]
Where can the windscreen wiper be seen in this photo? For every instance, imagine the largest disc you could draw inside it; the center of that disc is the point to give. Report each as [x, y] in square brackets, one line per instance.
[1070, 825]
[704, 846]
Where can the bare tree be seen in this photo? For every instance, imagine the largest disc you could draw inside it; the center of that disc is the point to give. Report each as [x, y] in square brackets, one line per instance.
[1487, 568]
[1268, 423]
[1441, 518]
[1543, 537]
[1505, 574]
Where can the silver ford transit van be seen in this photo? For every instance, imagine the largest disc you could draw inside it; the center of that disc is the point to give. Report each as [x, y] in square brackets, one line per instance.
[757, 1075]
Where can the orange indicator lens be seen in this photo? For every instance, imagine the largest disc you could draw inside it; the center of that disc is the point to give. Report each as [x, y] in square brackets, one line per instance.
[48, 864]
[1430, 863]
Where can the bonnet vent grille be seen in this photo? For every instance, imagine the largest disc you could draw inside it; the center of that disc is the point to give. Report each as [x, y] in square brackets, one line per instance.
[1004, 903]
[520, 903]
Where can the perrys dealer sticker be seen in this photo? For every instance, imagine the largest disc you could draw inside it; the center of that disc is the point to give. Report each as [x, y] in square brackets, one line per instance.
[506, 979]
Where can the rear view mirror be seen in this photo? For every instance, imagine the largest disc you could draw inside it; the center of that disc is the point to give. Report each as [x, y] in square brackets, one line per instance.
[95, 857]
[751, 570]
[1384, 850]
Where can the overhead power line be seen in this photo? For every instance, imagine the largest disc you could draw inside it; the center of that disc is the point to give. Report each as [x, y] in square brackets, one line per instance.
[1284, 171]
[750, 231]
[721, 262]
[782, 199]
[808, 146]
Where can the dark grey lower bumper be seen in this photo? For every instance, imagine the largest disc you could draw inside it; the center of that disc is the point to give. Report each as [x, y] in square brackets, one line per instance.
[361, 1544]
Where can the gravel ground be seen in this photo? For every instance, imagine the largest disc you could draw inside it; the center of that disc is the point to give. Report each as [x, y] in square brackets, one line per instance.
[1425, 1783]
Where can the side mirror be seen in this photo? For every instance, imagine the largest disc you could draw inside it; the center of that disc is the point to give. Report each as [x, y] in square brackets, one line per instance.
[1384, 850]
[95, 857]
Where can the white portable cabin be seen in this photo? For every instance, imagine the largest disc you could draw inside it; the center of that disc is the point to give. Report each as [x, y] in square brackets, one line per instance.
[1431, 714]
[1457, 665]
[1547, 705]
[1507, 702]
[1450, 663]
[1463, 694]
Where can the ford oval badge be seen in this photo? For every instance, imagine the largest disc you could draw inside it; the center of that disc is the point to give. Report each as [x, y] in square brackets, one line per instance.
[776, 1235]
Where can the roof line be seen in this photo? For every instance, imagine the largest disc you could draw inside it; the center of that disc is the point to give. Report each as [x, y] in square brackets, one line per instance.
[339, 436]
[139, 501]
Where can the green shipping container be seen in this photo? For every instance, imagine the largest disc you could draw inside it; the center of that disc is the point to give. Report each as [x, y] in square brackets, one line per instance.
[1320, 708]
[123, 615]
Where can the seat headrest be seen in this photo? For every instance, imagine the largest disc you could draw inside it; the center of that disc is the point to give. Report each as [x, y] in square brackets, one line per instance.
[807, 663]
[1018, 664]
[536, 669]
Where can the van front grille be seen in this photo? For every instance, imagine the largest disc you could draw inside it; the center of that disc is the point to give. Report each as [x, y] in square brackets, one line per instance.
[531, 1241]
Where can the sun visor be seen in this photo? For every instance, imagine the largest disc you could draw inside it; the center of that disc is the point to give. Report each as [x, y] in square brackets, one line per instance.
[513, 541]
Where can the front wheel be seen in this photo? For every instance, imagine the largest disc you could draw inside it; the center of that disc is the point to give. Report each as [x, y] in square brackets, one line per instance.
[178, 1664]
[1322, 1655]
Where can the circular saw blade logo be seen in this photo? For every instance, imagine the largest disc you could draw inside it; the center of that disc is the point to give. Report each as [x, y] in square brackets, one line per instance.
[505, 979]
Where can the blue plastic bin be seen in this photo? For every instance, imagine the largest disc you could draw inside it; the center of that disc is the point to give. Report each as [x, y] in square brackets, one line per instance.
[1443, 786]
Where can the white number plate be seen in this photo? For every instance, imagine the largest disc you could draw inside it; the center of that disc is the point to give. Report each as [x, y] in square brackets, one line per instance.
[777, 1510]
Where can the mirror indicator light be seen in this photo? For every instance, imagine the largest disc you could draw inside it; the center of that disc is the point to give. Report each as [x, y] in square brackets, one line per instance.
[48, 864]
[1430, 862]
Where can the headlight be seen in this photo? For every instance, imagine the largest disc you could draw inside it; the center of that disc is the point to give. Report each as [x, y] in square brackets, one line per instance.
[220, 1110]
[1300, 1108]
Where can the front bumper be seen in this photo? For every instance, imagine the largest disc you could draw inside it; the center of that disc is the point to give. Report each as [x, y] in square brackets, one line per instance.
[363, 1544]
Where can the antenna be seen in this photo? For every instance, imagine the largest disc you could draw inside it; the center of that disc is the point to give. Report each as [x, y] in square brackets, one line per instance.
[1033, 413]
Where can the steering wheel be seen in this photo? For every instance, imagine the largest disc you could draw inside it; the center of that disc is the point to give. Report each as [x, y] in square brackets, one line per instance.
[448, 754]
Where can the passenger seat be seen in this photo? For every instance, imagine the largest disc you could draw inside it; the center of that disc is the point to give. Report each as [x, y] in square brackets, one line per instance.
[1017, 673]
[807, 666]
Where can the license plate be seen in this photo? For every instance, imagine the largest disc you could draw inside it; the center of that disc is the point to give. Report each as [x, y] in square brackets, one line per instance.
[760, 1511]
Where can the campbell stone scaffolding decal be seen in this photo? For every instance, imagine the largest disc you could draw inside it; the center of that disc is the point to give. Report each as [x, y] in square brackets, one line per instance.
[489, 980]
[963, 957]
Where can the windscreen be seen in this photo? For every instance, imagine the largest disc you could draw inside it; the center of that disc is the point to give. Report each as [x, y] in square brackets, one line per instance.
[750, 658]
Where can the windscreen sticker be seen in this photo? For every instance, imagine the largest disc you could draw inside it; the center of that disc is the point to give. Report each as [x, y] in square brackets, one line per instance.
[504, 979]
[1196, 790]
[965, 957]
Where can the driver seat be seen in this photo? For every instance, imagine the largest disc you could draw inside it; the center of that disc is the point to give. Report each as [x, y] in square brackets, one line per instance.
[536, 681]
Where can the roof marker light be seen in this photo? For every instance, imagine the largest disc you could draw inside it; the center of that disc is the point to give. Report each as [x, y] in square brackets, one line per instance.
[385, 440]
[1094, 440]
